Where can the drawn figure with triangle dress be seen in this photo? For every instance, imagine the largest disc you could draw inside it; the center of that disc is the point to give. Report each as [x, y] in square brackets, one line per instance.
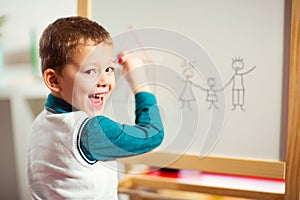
[187, 95]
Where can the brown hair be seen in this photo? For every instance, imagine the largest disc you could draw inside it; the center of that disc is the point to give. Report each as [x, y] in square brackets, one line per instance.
[61, 38]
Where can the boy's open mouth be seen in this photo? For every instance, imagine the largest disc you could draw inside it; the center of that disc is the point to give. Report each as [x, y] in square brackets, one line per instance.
[97, 99]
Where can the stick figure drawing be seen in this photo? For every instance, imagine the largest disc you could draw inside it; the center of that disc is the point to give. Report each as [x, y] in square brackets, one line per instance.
[187, 95]
[211, 93]
[237, 80]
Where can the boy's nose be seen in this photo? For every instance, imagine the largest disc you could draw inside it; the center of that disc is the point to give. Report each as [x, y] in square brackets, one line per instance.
[102, 82]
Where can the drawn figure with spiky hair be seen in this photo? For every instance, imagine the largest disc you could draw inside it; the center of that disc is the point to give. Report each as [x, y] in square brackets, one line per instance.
[238, 87]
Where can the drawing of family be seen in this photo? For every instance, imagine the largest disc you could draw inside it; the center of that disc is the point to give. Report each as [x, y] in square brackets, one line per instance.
[238, 91]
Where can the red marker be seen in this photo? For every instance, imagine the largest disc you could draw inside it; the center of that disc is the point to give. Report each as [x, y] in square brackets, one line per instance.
[120, 60]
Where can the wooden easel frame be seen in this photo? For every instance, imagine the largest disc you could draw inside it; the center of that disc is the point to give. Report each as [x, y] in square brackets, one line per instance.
[290, 169]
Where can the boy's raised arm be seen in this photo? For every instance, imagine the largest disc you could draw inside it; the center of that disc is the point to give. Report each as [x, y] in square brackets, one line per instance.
[105, 139]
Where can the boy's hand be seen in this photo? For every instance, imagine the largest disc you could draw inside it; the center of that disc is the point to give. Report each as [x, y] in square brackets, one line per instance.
[134, 72]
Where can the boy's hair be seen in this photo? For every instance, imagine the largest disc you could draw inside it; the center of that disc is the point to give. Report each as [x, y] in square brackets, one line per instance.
[61, 39]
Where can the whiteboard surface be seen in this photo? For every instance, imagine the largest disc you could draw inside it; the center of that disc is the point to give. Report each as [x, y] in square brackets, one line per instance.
[249, 31]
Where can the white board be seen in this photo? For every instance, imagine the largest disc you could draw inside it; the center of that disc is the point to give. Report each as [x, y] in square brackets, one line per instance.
[189, 48]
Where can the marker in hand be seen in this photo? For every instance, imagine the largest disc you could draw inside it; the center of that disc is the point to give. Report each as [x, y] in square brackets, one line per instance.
[120, 60]
[134, 72]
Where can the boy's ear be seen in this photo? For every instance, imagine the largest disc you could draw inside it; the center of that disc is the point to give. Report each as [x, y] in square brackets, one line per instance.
[51, 80]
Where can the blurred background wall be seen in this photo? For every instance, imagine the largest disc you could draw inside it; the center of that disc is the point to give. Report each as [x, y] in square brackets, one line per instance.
[22, 19]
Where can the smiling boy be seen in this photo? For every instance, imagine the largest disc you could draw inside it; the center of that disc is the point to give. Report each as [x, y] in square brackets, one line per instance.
[73, 147]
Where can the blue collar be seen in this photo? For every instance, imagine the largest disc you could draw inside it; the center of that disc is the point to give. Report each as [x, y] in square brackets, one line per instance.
[57, 105]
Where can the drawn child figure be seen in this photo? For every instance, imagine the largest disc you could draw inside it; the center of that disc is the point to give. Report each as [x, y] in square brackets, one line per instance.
[73, 147]
[211, 93]
[212, 96]
[187, 95]
[238, 87]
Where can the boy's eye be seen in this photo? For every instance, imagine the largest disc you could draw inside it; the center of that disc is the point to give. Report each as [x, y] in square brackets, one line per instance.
[109, 69]
[91, 71]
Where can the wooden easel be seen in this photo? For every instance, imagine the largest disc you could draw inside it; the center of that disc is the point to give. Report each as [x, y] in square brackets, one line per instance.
[186, 185]
[290, 169]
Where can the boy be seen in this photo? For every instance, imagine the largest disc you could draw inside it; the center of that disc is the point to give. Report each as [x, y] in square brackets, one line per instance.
[73, 147]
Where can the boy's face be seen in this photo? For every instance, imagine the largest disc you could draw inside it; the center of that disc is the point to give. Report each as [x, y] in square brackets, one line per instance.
[87, 82]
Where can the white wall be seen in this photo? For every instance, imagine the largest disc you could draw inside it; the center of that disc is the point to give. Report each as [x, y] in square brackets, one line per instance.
[23, 16]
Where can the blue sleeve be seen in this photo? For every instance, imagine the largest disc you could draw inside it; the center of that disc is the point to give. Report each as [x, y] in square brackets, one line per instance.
[104, 139]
